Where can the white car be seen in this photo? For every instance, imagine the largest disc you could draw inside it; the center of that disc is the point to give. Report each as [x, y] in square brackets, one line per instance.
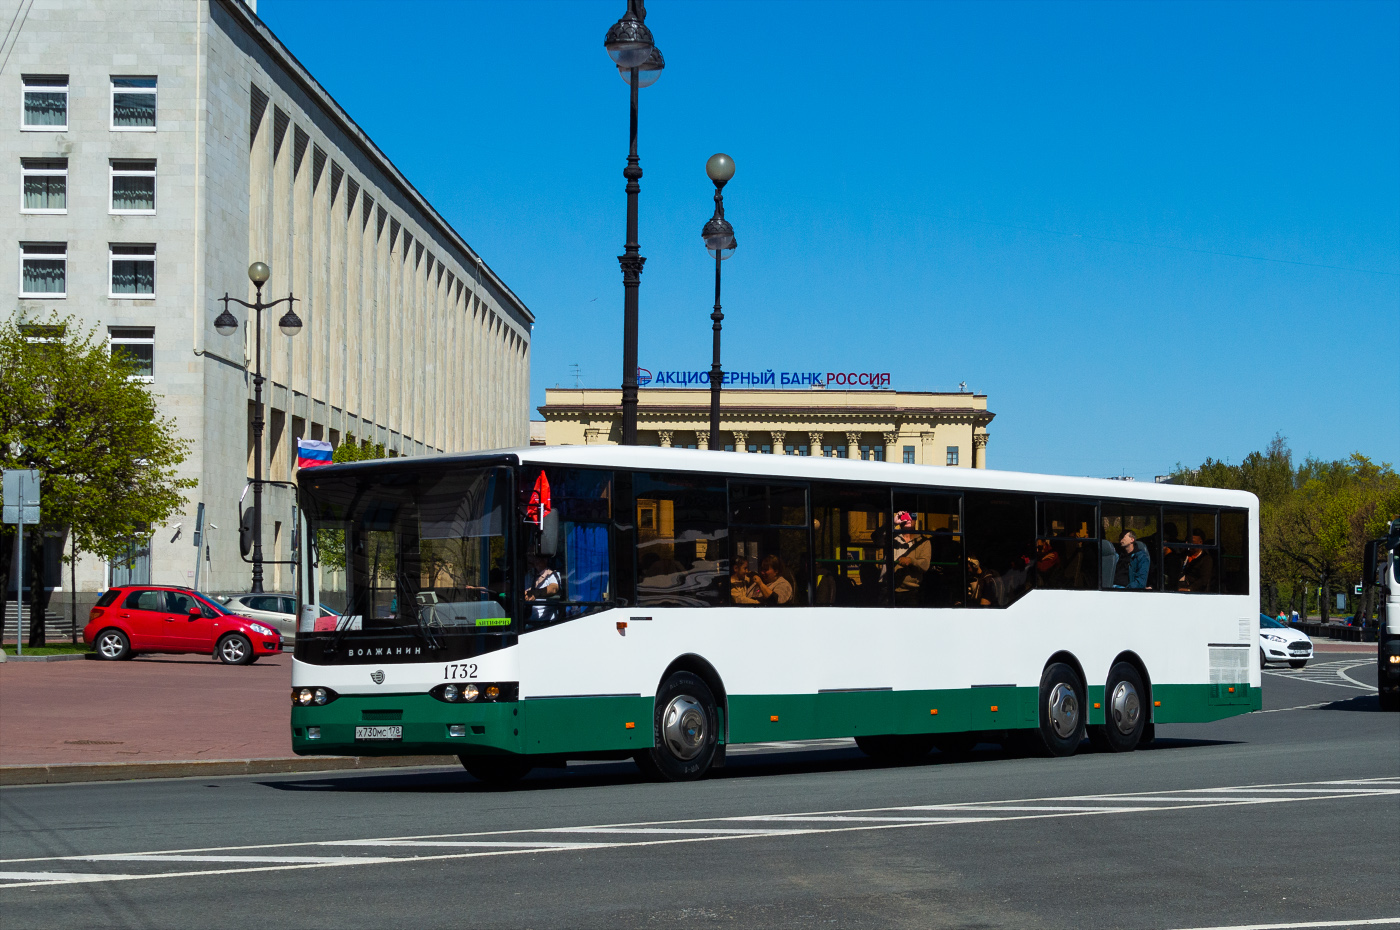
[1280, 643]
[276, 609]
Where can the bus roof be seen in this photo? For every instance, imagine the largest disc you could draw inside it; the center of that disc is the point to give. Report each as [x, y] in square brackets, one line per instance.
[817, 468]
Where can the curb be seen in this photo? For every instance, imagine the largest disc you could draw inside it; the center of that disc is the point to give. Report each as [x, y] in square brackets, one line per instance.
[61, 657]
[77, 772]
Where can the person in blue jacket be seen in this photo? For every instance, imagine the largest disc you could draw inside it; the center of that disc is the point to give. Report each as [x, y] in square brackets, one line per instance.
[1138, 560]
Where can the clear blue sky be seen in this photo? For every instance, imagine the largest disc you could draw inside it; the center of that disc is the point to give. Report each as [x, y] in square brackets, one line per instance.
[1149, 233]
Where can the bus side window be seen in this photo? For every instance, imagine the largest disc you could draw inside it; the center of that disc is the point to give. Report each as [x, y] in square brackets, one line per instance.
[1067, 548]
[1120, 569]
[768, 530]
[1000, 532]
[928, 550]
[567, 514]
[851, 532]
[1234, 552]
[682, 547]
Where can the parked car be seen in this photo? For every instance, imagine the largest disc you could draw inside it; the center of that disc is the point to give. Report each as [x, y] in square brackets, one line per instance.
[130, 619]
[1280, 643]
[278, 610]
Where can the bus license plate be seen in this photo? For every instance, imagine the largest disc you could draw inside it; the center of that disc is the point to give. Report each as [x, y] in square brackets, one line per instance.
[378, 733]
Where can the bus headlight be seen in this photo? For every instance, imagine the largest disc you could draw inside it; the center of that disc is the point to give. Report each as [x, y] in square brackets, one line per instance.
[450, 693]
[306, 697]
[470, 692]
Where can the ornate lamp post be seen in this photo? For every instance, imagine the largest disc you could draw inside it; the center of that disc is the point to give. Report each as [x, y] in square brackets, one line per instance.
[639, 61]
[227, 324]
[720, 242]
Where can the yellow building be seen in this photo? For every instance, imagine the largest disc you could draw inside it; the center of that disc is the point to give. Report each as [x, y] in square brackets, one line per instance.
[918, 427]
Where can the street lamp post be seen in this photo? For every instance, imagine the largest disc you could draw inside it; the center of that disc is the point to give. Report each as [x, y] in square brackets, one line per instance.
[227, 324]
[629, 44]
[720, 242]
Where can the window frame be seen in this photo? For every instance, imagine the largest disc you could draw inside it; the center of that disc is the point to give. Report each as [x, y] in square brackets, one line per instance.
[63, 255]
[113, 90]
[35, 83]
[952, 456]
[112, 258]
[113, 172]
[125, 339]
[908, 455]
[29, 167]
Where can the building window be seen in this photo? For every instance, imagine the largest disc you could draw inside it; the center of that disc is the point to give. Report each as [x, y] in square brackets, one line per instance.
[137, 343]
[133, 270]
[43, 269]
[797, 449]
[133, 565]
[834, 452]
[45, 102]
[952, 455]
[133, 186]
[44, 185]
[908, 455]
[872, 453]
[133, 104]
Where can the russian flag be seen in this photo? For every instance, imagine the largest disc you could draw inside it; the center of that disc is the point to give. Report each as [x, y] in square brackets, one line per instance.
[313, 452]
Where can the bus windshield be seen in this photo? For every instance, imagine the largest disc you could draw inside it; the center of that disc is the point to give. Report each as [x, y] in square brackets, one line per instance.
[412, 554]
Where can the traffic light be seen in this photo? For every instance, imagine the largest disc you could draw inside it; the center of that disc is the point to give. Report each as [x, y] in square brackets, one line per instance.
[245, 532]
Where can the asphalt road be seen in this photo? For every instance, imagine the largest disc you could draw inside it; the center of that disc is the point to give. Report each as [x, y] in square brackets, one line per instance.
[1286, 817]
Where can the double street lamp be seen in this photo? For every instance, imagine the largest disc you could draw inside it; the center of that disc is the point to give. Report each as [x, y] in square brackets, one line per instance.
[630, 45]
[227, 324]
[720, 242]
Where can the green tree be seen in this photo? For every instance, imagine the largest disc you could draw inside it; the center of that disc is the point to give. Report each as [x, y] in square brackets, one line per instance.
[107, 461]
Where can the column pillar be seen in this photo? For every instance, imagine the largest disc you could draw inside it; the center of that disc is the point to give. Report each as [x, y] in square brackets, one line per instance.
[664, 435]
[891, 443]
[853, 445]
[979, 450]
[702, 438]
[778, 437]
[741, 440]
[814, 443]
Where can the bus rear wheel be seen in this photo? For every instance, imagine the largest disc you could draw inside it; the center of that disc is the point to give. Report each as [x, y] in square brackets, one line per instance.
[1125, 709]
[685, 731]
[900, 750]
[499, 771]
[1061, 710]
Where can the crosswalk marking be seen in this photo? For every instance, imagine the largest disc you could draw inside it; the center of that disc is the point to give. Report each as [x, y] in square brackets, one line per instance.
[43, 871]
[1332, 673]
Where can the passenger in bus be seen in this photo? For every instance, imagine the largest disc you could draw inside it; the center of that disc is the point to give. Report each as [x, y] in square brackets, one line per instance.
[1049, 568]
[773, 582]
[545, 586]
[1198, 568]
[741, 582]
[912, 556]
[837, 587]
[1138, 561]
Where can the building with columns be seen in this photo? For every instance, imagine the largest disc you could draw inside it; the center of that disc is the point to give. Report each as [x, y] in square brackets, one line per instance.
[158, 147]
[917, 427]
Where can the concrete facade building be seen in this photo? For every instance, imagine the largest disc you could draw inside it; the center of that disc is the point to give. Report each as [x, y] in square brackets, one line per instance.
[898, 426]
[157, 147]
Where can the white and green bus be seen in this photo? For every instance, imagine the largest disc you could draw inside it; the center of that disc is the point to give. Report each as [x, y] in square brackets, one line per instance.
[525, 607]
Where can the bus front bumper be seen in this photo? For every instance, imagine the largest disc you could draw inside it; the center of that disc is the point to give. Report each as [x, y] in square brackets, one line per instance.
[405, 725]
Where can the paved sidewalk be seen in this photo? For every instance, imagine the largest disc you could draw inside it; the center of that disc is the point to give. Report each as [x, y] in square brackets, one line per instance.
[153, 708]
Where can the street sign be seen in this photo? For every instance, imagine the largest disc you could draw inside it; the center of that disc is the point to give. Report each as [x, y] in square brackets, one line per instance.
[21, 493]
[1357, 589]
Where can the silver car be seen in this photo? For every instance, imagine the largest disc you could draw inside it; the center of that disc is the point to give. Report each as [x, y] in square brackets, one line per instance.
[279, 610]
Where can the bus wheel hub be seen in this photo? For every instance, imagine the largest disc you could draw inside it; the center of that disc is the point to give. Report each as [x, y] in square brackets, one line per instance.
[683, 727]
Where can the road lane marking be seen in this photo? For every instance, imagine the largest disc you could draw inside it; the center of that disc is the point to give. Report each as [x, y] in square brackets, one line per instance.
[1373, 922]
[1325, 673]
[703, 830]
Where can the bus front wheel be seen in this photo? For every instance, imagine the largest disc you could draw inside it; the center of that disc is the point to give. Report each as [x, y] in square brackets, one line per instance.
[1061, 710]
[685, 731]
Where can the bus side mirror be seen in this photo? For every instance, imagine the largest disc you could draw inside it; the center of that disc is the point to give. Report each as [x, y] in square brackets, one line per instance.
[1368, 563]
[549, 534]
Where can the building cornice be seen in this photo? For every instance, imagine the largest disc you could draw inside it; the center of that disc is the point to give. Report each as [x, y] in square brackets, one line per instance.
[260, 33]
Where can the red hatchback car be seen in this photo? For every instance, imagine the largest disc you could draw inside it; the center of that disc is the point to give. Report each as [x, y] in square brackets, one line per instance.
[149, 618]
